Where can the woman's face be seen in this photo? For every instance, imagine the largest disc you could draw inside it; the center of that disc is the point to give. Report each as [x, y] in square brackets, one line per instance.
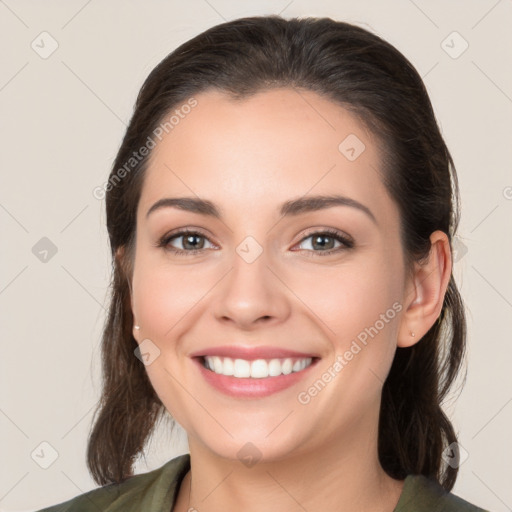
[261, 277]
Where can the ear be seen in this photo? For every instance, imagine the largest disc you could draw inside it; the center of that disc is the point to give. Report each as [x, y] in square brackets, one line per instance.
[120, 258]
[425, 291]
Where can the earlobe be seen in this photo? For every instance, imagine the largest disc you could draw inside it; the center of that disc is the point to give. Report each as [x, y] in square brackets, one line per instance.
[135, 332]
[120, 254]
[425, 295]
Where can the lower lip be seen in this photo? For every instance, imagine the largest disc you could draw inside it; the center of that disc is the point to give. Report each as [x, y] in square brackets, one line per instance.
[248, 387]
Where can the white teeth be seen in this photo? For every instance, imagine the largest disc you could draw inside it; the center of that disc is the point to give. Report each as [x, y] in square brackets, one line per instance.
[257, 369]
[242, 368]
[228, 367]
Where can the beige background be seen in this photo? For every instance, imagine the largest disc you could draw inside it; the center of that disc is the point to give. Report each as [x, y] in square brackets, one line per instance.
[63, 118]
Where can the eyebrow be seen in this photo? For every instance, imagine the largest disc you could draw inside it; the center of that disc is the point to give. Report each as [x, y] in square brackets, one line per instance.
[289, 208]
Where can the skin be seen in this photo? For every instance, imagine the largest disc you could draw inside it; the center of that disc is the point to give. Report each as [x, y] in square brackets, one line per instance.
[251, 156]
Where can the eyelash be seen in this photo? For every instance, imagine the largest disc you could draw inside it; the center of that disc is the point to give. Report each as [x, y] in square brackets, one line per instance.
[347, 242]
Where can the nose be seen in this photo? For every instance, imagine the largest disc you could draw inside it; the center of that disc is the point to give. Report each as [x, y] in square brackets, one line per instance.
[252, 294]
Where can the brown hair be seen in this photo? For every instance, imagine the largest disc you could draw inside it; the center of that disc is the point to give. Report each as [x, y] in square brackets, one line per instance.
[365, 74]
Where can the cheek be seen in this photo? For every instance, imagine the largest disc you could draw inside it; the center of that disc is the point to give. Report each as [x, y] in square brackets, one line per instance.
[163, 296]
[162, 299]
[348, 298]
[357, 307]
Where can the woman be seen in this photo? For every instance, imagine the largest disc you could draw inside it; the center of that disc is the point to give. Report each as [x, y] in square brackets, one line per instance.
[281, 213]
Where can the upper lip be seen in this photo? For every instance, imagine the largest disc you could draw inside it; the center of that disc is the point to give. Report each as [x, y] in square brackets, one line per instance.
[251, 353]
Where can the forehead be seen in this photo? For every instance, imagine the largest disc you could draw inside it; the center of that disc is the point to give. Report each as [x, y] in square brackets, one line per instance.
[263, 150]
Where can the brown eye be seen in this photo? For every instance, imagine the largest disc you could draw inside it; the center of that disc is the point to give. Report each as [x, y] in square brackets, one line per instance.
[191, 242]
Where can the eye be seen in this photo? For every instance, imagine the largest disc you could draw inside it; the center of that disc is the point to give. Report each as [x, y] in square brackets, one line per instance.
[192, 242]
[326, 239]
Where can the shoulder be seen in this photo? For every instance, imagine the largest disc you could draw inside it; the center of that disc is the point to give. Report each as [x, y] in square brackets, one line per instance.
[135, 493]
[422, 494]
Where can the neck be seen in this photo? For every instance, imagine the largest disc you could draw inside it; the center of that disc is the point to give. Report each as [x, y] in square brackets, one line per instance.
[341, 475]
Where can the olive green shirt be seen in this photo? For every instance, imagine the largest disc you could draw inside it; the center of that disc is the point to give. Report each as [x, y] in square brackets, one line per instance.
[157, 490]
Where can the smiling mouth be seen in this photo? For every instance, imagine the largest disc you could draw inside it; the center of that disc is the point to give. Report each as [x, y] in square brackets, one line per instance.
[257, 368]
